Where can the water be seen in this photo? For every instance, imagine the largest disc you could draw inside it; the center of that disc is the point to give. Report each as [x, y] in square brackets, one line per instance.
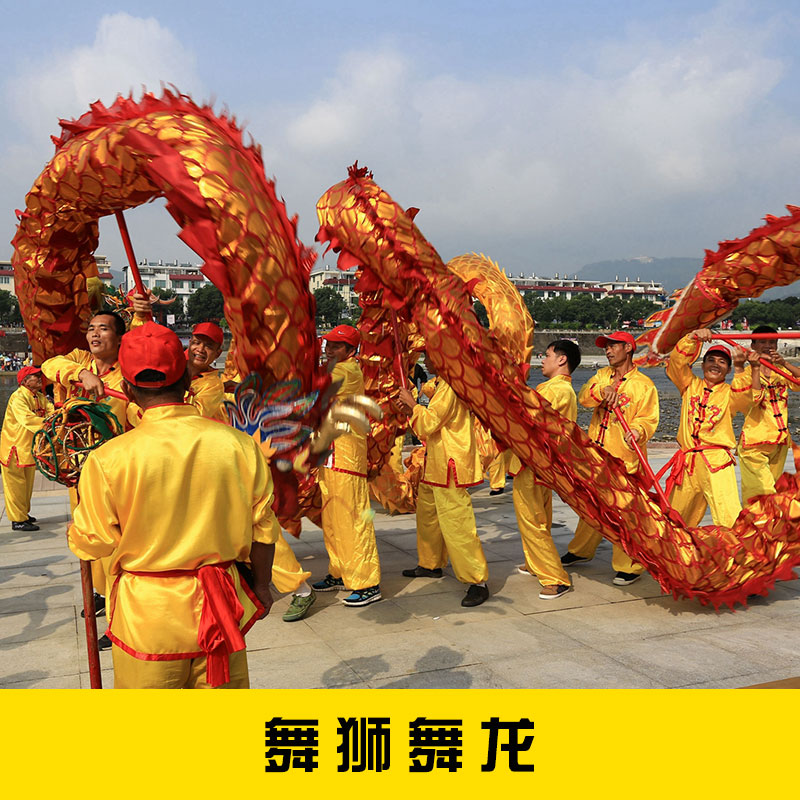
[669, 401]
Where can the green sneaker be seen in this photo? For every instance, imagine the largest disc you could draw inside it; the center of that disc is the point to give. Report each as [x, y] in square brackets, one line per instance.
[298, 608]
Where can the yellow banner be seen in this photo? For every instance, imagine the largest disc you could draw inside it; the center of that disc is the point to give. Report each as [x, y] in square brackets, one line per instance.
[307, 743]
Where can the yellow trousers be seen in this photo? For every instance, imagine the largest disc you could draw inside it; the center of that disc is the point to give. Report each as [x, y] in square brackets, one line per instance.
[705, 489]
[18, 489]
[287, 574]
[348, 529]
[446, 527]
[498, 469]
[584, 543]
[533, 505]
[760, 468]
[185, 673]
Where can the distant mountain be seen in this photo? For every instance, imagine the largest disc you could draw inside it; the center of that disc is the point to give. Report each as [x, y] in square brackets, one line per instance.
[673, 273]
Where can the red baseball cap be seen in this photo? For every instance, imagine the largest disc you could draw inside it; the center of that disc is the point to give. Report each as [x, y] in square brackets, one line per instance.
[344, 333]
[615, 338]
[151, 347]
[26, 372]
[719, 348]
[210, 329]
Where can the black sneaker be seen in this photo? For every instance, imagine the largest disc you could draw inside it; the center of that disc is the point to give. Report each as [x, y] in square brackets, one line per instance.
[99, 606]
[422, 572]
[24, 526]
[625, 578]
[495, 492]
[475, 596]
[31, 519]
[570, 559]
[328, 584]
[104, 643]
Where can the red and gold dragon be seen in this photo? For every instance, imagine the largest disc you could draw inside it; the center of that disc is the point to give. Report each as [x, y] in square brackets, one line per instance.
[127, 154]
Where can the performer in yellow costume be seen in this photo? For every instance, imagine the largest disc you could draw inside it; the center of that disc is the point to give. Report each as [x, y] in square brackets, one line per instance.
[346, 513]
[27, 407]
[533, 503]
[498, 471]
[82, 373]
[620, 385]
[704, 469]
[179, 610]
[206, 391]
[445, 518]
[764, 441]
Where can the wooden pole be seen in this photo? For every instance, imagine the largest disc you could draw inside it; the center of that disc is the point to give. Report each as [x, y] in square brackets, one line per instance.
[93, 652]
[763, 361]
[648, 470]
[126, 241]
[397, 350]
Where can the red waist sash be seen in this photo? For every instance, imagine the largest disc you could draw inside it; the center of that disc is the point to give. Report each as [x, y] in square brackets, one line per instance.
[219, 634]
[678, 464]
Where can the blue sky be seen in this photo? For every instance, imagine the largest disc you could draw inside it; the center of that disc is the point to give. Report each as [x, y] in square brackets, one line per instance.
[545, 135]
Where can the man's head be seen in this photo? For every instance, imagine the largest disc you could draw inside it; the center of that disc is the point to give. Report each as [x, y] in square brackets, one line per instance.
[562, 357]
[153, 364]
[716, 364]
[341, 343]
[764, 345]
[30, 378]
[205, 345]
[619, 348]
[105, 331]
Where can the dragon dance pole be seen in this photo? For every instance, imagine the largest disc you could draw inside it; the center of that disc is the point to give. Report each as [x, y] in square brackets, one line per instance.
[93, 652]
[757, 336]
[763, 361]
[398, 359]
[126, 241]
[643, 461]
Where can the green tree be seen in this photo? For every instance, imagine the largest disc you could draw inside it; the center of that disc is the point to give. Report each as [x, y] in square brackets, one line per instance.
[580, 312]
[481, 314]
[9, 309]
[330, 306]
[205, 305]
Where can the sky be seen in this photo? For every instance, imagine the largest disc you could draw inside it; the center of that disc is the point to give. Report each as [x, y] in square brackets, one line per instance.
[545, 135]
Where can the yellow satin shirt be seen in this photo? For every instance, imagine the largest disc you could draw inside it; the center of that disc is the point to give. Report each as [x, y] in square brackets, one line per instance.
[349, 451]
[64, 372]
[638, 401]
[706, 412]
[767, 421]
[176, 493]
[24, 414]
[448, 430]
[559, 393]
[207, 394]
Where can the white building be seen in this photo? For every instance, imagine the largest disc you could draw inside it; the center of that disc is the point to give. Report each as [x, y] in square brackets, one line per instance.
[183, 279]
[566, 287]
[333, 278]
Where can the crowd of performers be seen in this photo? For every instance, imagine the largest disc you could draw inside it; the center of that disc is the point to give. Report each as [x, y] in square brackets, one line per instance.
[169, 574]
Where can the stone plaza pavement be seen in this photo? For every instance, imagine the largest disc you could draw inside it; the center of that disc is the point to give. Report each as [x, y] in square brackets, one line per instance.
[598, 636]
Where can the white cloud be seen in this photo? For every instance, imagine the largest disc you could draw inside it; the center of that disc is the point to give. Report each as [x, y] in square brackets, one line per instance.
[127, 53]
[649, 127]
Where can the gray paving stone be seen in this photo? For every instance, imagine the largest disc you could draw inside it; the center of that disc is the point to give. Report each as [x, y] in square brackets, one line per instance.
[675, 661]
[35, 598]
[475, 676]
[397, 654]
[577, 667]
[306, 666]
[37, 625]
